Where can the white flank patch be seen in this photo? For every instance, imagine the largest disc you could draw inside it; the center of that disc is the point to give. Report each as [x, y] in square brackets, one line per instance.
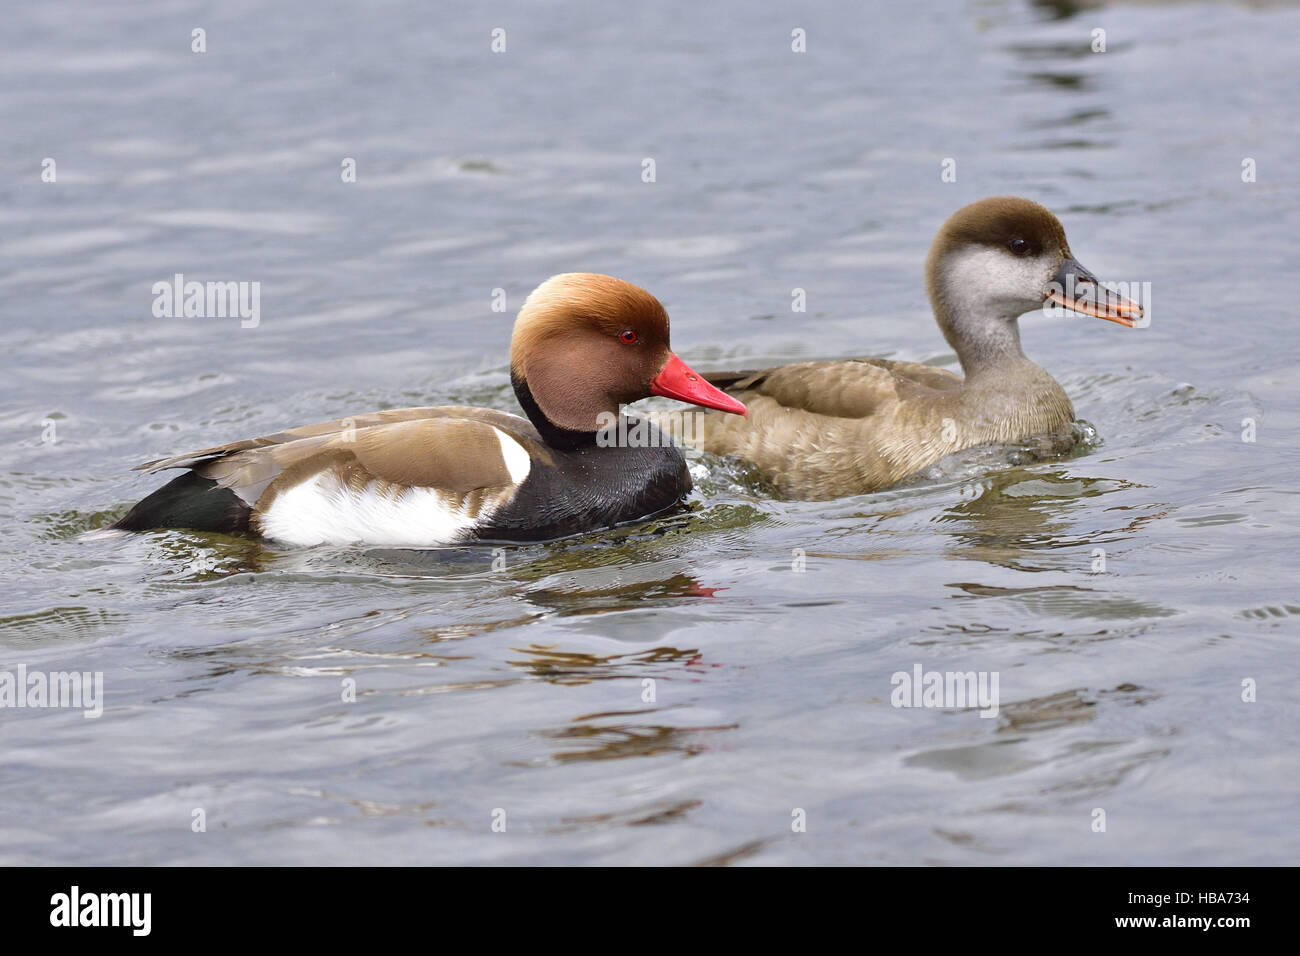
[324, 510]
[518, 461]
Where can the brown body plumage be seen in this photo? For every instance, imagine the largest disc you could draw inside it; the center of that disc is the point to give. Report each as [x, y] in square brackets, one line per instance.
[828, 429]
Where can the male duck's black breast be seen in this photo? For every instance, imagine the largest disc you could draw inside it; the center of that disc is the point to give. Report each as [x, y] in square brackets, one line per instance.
[587, 489]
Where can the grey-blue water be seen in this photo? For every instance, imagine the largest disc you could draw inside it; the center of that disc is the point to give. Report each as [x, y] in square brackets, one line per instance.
[518, 694]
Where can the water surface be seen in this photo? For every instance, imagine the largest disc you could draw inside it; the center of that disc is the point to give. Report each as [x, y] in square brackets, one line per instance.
[522, 688]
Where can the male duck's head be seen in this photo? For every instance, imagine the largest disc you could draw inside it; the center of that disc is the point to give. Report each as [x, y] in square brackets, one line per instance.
[584, 344]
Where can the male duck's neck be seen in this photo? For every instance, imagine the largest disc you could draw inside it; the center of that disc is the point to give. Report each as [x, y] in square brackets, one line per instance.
[565, 439]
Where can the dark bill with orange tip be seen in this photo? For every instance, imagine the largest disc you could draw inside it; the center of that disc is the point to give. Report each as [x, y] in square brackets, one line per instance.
[678, 380]
[1078, 290]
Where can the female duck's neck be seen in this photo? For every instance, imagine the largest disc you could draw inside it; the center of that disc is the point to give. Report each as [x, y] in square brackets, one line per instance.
[987, 345]
[566, 439]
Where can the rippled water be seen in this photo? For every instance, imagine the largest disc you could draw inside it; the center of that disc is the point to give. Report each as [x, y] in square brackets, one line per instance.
[521, 688]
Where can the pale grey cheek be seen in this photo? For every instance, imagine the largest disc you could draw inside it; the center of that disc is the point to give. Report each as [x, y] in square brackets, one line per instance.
[982, 276]
[977, 278]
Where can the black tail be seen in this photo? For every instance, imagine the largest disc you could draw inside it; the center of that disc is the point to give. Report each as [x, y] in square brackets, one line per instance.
[189, 501]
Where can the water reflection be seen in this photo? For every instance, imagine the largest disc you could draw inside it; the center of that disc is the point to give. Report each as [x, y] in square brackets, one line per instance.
[661, 811]
[1022, 725]
[598, 598]
[628, 740]
[1008, 518]
[576, 667]
[1064, 9]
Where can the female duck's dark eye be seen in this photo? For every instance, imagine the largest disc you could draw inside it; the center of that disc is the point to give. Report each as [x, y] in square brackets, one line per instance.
[627, 337]
[1019, 246]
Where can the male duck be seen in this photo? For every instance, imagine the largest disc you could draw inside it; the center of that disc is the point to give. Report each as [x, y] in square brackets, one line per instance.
[583, 345]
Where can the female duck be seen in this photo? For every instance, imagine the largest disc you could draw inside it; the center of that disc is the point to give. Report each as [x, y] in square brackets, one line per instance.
[826, 429]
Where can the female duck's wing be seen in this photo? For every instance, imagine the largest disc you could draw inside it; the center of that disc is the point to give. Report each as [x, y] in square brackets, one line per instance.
[858, 388]
[826, 429]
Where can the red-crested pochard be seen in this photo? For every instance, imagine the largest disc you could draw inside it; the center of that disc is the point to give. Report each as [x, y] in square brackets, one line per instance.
[825, 429]
[583, 345]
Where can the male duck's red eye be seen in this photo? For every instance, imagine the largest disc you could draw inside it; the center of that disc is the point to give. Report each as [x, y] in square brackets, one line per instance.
[627, 336]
